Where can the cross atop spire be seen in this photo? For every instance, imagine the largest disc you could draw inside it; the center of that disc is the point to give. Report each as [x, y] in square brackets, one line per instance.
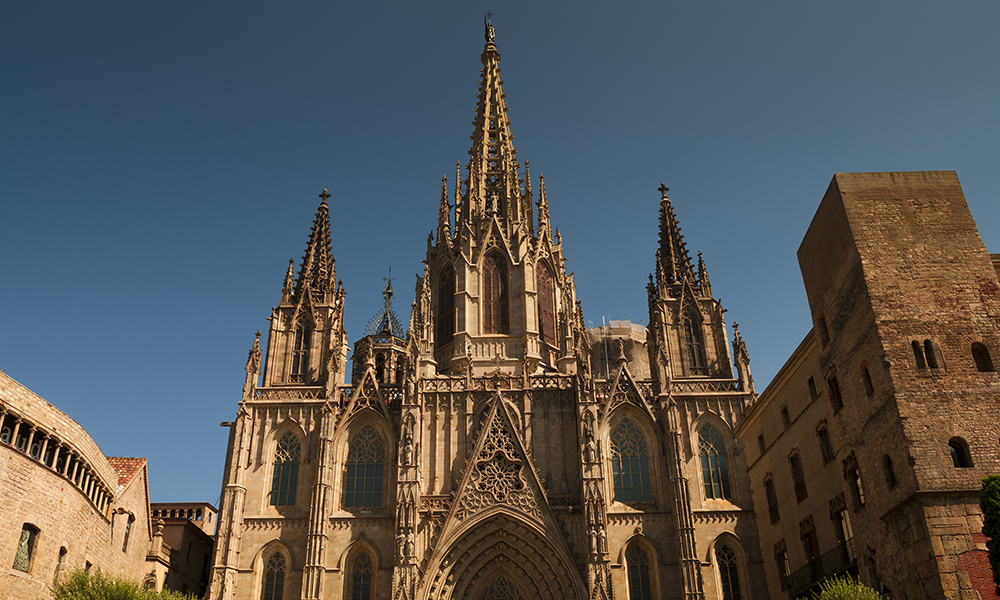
[674, 263]
[317, 272]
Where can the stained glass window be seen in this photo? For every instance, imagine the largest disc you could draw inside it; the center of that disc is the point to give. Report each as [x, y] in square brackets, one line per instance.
[286, 470]
[361, 577]
[638, 574]
[365, 466]
[445, 324]
[501, 589]
[274, 577]
[714, 470]
[546, 304]
[495, 319]
[729, 572]
[630, 464]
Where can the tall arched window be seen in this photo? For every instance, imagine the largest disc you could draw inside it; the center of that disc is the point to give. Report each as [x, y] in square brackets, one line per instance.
[300, 353]
[286, 470]
[361, 577]
[638, 574]
[714, 470]
[630, 464]
[274, 577]
[363, 479]
[981, 354]
[501, 589]
[546, 304]
[445, 324]
[729, 572]
[495, 317]
[695, 343]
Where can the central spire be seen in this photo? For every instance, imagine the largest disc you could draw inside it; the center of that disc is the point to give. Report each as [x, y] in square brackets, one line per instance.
[494, 186]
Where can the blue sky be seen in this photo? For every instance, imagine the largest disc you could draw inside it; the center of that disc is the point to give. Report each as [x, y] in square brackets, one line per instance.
[160, 163]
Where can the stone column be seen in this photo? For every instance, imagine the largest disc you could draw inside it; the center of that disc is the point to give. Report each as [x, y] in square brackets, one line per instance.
[319, 513]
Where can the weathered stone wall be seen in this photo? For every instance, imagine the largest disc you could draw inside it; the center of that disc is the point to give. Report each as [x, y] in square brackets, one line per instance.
[86, 527]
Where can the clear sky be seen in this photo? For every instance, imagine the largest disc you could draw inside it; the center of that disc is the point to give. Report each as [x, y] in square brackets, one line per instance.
[160, 163]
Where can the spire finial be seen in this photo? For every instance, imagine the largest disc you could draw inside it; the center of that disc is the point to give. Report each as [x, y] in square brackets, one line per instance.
[663, 189]
[324, 195]
[491, 33]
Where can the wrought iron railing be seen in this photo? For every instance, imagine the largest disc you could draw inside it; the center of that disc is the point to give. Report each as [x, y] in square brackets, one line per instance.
[833, 562]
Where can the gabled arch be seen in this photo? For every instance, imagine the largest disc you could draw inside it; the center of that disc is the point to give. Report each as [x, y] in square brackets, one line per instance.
[501, 541]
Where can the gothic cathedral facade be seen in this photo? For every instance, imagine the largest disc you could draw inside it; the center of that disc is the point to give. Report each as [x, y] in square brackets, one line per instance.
[476, 454]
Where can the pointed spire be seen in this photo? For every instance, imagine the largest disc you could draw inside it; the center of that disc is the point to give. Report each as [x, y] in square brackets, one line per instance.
[543, 209]
[673, 255]
[288, 289]
[458, 194]
[706, 285]
[444, 214]
[318, 273]
[386, 322]
[494, 183]
[529, 216]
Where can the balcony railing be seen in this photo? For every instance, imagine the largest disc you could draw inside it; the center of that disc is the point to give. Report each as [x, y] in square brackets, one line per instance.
[838, 560]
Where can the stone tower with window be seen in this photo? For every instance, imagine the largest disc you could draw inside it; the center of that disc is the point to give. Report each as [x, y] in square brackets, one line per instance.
[476, 455]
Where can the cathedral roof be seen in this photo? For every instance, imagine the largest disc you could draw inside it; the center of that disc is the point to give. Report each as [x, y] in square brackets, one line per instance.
[126, 468]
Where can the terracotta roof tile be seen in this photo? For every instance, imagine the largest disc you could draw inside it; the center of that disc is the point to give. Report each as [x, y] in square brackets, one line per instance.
[126, 467]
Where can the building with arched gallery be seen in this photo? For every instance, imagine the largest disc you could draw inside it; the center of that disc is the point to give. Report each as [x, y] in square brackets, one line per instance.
[65, 505]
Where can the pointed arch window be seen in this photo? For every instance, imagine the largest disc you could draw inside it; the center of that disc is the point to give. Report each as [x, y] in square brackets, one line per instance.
[502, 589]
[729, 572]
[639, 587]
[445, 325]
[546, 304]
[285, 476]
[363, 477]
[630, 464]
[695, 343]
[714, 469]
[495, 309]
[300, 353]
[274, 577]
[361, 577]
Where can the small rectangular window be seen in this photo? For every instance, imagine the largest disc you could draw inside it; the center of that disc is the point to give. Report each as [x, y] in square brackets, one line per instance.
[798, 476]
[825, 447]
[25, 548]
[836, 401]
[772, 498]
[785, 420]
[812, 388]
[760, 444]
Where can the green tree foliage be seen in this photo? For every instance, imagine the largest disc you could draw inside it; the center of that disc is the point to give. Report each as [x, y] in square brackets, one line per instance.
[845, 588]
[81, 585]
[989, 500]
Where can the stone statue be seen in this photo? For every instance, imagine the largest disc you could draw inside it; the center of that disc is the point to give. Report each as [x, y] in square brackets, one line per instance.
[491, 33]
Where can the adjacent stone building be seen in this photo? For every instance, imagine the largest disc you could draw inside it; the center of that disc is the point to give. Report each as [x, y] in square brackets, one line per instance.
[180, 555]
[64, 504]
[481, 453]
[867, 450]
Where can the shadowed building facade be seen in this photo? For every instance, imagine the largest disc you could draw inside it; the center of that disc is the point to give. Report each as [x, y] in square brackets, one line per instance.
[479, 454]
